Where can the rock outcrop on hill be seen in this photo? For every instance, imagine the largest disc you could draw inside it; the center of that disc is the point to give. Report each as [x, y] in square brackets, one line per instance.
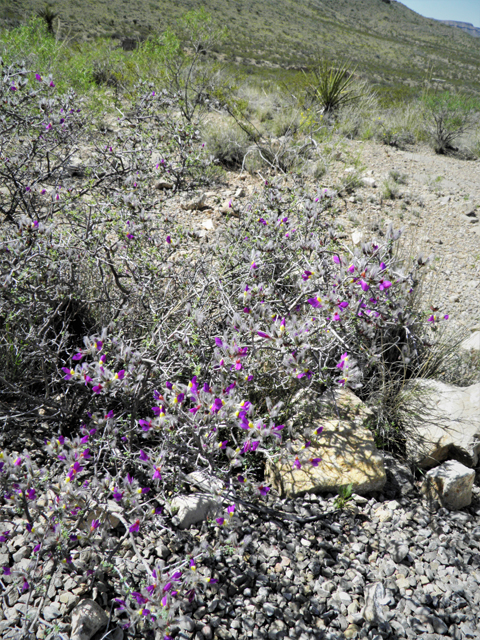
[464, 26]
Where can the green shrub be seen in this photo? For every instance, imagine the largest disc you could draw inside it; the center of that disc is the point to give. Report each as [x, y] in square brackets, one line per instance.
[448, 117]
[226, 142]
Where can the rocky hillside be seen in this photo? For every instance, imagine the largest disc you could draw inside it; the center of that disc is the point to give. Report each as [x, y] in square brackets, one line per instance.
[465, 26]
[388, 42]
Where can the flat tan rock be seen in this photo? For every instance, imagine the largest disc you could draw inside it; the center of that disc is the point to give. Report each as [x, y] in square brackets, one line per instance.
[347, 449]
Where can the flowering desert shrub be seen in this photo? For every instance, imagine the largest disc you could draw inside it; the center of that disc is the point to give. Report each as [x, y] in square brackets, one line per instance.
[146, 358]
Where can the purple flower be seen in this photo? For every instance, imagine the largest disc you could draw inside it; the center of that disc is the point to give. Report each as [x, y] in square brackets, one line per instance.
[52, 84]
[343, 360]
[78, 356]
[262, 221]
[218, 342]
[18, 462]
[134, 527]
[69, 373]
[37, 548]
[38, 77]
[343, 305]
[223, 445]
[384, 284]
[216, 406]
[315, 302]
[220, 521]
[7, 571]
[97, 388]
[143, 455]
[31, 494]
[129, 478]
[139, 598]
[25, 585]
[337, 260]
[156, 473]
[168, 240]
[306, 275]
[95, 524]
[264, 335]
[297, 464]
[382, 266]
[117, 495]
[179, 398]
[241, 479]
[263, 490]
[364, 285]
[145, 424]
[314, 461]
[169, 385]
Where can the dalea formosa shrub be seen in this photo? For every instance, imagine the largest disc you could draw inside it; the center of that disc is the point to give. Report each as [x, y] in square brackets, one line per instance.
[152, 356]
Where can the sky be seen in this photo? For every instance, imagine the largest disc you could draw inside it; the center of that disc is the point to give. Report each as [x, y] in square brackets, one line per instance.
[460, 10]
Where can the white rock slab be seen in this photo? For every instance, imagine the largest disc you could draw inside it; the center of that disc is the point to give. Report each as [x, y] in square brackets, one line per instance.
[444, 423]
[193, 509]
[450, 484]
[472, 343]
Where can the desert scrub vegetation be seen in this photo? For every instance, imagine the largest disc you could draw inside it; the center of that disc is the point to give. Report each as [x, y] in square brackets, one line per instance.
[132, 356]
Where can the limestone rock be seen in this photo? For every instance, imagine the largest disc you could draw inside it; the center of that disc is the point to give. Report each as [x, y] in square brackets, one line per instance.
[347, 449]
[198, 203]
[163, 185]
[444, 423]
[204, 482]
[87, 618]
[374, 599]
[369, 182]
[472, 343]
[450, 484]
[229, 207]
[399, 551]
[357, 237]
[193, 509]
[208, 224]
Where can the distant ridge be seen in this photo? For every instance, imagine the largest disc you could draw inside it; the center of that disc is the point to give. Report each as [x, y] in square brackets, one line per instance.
[464, 26]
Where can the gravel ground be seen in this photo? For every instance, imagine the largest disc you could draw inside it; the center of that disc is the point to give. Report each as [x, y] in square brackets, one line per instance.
[383, 567]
